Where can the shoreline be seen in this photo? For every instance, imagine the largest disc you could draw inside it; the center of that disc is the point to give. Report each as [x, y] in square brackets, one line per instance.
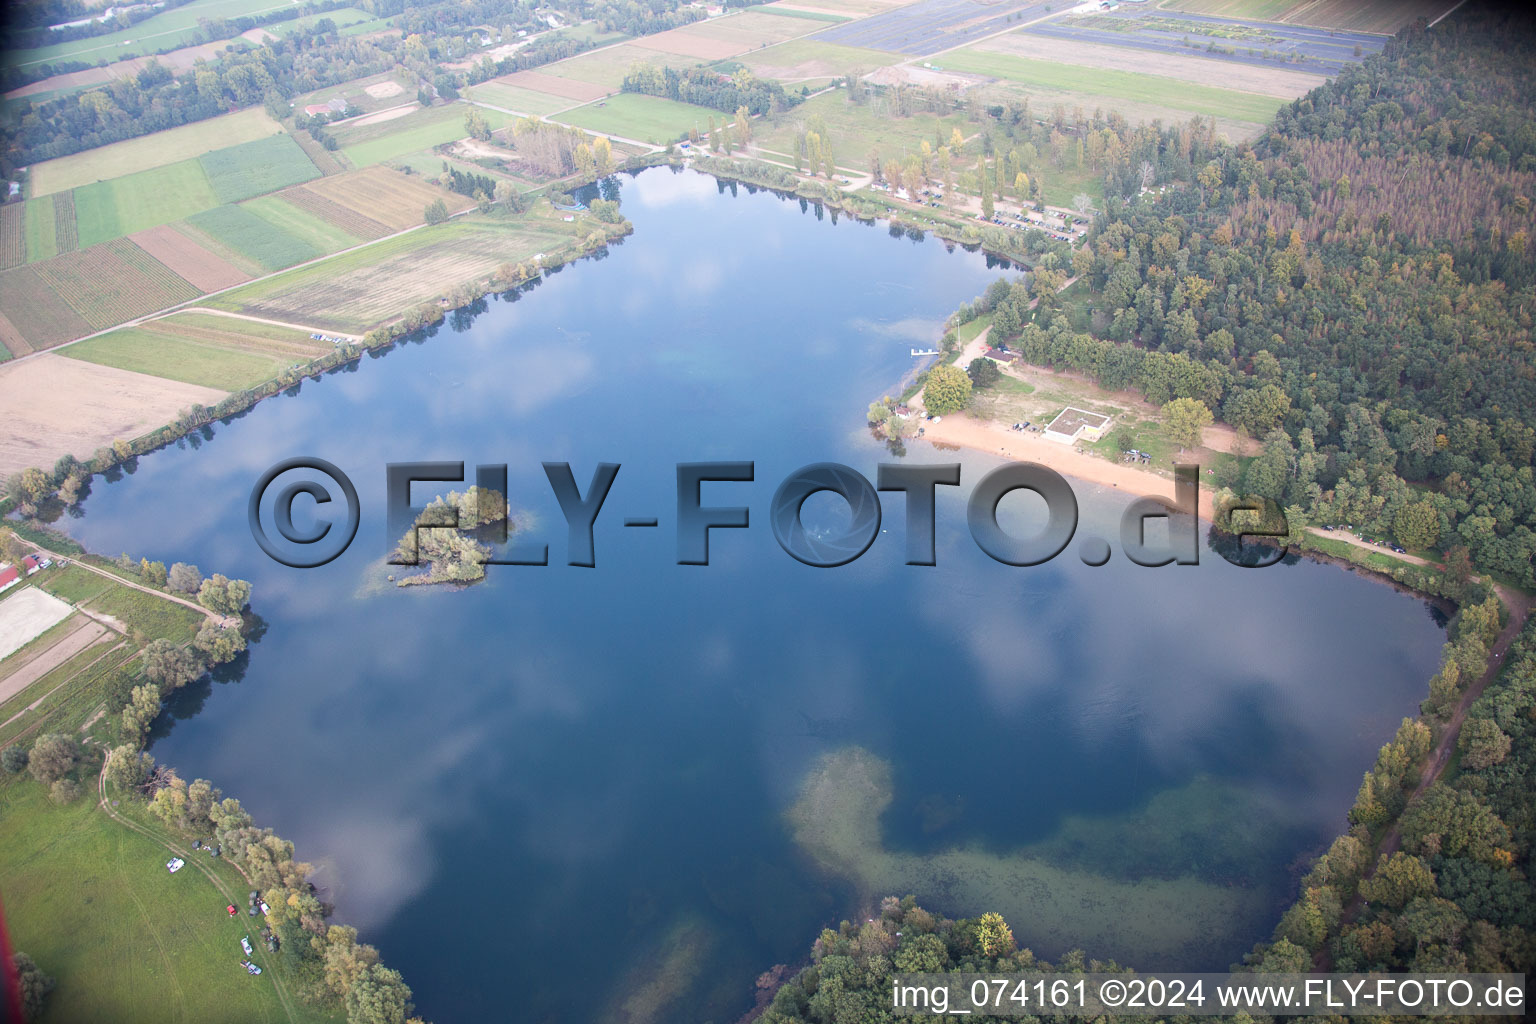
[964, 431]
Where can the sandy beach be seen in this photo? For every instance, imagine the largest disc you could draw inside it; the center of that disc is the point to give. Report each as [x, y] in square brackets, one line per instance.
[964, 431]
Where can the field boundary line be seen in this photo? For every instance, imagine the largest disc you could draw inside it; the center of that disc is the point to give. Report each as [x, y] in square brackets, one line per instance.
[263, 320]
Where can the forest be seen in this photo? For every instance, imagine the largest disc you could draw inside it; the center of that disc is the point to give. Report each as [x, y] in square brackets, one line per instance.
[1355, 291]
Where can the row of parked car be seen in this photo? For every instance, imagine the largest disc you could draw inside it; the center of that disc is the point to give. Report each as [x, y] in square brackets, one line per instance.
[1369, 540]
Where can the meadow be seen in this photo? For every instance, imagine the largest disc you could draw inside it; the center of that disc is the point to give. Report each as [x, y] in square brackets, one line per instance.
[854, 130]
[646, 118]
[130, 941]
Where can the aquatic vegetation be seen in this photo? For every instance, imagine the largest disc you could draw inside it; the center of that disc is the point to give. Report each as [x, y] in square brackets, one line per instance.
[1150, 921]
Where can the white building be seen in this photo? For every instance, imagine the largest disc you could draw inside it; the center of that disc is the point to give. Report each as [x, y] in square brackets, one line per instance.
[1073, 425]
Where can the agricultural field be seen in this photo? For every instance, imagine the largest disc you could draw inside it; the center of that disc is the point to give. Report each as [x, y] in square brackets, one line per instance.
[1188, 67]
[1178, 35]
[734, 34]
[650, 119]
[295, 220]
[507, 96]
[40, 224]
[1384, 17]
[928, 26]
[607, 68]
[358, 290]
[204, 269]
[111, 209]
[116, 281]
[802, 60]
[211, 356]
[165, 31]
[46, 318]
[573, 91]
[781, 11]
[384, 196]
[1097, 87]
[368, 144]
[318, 154]
[147, 152]
[256, 168]
[842, 8]
[13, 235]
[44, 396]
[257, 239]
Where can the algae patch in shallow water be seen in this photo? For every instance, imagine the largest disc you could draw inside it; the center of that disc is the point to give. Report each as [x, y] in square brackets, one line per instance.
[1147, 922]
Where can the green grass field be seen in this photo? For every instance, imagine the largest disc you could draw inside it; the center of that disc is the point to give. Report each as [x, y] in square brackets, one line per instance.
[256, 168]
[854, 130]
[257, 239]
[154, 616]
[144, 350]
[286, 217]
[111, 209]
[165, 31]
[41, 239]
[1123, 85]
[647, 118]
[370, 144]
[90, 900]
[512, 97]
[72, 583]
[149, 151]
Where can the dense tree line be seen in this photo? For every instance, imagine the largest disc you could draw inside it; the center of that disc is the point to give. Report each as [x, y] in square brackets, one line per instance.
[644, 18]
[1319, 293]
[852, 966]
[466, 184]
[709, 88]
[1458, 895]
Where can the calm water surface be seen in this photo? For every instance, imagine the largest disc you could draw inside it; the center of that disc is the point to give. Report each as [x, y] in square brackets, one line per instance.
[571, 784]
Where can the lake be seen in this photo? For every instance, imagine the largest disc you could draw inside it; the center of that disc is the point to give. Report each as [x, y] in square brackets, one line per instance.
[623, 792]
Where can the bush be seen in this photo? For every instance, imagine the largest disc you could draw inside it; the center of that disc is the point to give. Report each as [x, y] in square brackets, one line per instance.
[64, 791]
[13, 759]
[53, 757]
